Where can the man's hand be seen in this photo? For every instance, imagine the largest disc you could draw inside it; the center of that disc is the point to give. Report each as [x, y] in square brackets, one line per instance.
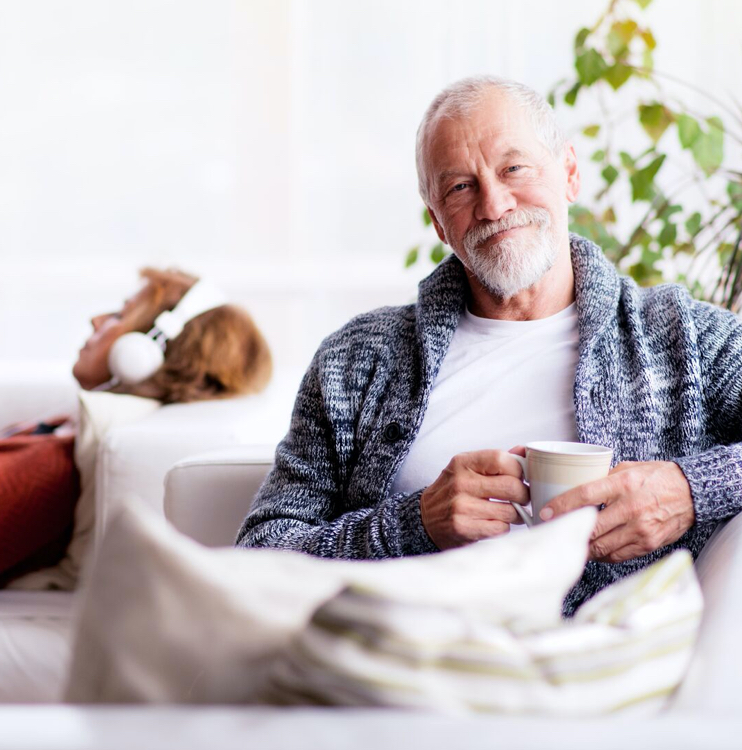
[456, 509]
[647, 505]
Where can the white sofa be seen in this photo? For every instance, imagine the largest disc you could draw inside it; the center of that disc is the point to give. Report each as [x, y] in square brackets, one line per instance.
[705, 713]
[132, 461]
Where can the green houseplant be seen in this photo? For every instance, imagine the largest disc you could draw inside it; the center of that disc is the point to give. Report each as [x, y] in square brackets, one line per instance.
[670, 210]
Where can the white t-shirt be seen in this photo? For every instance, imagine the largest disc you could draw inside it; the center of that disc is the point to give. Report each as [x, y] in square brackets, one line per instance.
[502, 383]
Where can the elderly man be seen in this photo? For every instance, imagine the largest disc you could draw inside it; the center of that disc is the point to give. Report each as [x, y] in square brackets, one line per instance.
[402, 423]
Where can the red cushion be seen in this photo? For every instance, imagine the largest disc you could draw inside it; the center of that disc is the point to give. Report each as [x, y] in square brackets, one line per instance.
[39, 486]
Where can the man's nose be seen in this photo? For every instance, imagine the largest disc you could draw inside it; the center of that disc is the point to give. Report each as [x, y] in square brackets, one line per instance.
[494, 201]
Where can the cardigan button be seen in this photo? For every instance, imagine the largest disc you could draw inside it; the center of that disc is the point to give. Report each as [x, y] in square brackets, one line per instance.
[392, 432]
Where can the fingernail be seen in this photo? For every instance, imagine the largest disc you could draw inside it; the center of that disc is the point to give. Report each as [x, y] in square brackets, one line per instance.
[546, 514]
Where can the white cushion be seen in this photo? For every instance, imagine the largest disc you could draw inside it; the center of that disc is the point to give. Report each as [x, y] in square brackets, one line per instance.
[134, 459]
[141, 638]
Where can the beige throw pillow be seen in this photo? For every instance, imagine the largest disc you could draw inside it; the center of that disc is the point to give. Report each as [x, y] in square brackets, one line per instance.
[165, 620]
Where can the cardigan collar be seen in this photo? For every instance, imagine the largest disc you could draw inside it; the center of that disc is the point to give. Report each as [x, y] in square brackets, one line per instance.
[444, 293]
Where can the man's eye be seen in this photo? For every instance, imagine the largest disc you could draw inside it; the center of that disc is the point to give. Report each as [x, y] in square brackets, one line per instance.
[458, 188]
[514, 168]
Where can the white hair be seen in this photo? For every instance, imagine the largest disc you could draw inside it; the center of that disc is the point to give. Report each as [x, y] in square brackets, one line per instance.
[461, 97]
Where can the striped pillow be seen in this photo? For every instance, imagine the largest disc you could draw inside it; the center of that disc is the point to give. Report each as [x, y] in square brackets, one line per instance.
[625, 650]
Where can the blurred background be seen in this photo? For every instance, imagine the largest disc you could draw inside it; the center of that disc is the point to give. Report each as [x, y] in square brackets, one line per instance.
[266, 144]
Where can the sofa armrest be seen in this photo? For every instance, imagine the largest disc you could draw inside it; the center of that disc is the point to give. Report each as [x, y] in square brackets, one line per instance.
[208, 496]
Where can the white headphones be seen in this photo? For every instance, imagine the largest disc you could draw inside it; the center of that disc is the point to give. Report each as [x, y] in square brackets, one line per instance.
[134, 357]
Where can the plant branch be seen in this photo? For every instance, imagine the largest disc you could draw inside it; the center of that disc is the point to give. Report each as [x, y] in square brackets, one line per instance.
[692, 87]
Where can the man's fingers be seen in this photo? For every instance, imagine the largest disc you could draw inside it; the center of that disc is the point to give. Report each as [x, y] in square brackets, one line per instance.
[485, 463]
[617, 545]
[613, 515]
[476, 531]
[604, 545]
[600, 492]
[502, 487]
[489, 510]
[470, 529]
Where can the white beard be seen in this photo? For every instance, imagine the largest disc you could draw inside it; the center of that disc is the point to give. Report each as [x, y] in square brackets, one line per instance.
[512, 264]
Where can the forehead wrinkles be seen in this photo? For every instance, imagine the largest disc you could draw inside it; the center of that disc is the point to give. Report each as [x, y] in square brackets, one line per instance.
[461, 149]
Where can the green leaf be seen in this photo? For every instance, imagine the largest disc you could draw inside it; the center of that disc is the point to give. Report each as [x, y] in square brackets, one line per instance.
[617, 75]
[584, 222]
[591, 131]
[551, 98]
[620, 36]
[580, 39]
[437, 254]
[616, 44]
[734, 190]
[598, 155]
[643, 3]
[686, 248]
[655, 119]
[626, 161]
[649, 256]
[626, 29]
[716, 126]
[411, 258]
[668, 234]
[648, 59]
[708, 148]
[688, 130]
[645, 274]
[649, 39]
[609, 216]
[590, 66]
[643, 179]
[668, 211]
[426, 217]
[610, 173]
[643, 238]
[693, 224]
[571, 96]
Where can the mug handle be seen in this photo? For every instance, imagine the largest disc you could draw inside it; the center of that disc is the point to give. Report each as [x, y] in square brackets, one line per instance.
[522, 512]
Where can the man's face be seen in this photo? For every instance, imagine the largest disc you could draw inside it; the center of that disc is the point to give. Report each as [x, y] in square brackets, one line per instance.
[499, 197]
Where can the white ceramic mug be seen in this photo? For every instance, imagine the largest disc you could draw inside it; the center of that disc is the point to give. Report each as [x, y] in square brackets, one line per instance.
[552, 467]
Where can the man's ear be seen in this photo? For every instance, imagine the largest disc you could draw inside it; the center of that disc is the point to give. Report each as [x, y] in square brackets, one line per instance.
[438, 228]
[573, 173]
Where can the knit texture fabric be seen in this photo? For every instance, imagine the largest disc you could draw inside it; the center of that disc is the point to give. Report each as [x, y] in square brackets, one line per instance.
[659, 377]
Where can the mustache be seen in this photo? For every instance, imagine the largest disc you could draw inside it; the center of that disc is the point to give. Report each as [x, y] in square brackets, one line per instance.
[520, 218]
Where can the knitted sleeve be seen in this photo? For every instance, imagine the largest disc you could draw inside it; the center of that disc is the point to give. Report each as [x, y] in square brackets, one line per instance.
[715, 476]
[302, 505]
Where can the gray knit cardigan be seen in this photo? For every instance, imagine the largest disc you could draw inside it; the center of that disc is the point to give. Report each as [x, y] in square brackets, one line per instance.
[659, 377]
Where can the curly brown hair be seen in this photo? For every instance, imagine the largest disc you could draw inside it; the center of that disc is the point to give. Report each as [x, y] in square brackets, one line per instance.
[218, 354]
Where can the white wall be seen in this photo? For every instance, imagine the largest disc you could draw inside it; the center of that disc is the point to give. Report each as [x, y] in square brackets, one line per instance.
[268, 144]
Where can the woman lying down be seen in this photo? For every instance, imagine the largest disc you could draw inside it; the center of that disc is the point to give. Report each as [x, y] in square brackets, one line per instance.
[175, 341]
